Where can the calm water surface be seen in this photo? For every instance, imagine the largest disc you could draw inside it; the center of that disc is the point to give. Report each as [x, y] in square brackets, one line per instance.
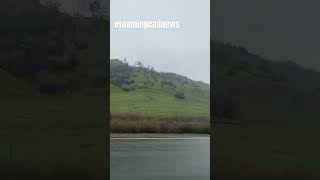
[159, 159]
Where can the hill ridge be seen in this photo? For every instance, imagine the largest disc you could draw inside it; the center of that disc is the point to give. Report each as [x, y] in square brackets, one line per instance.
[129, 72]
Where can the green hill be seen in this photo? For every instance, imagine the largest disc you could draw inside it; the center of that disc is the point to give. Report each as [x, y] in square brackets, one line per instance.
[52, 52]
[52, 82]
[47, 57]
[266, 117]
[142, 90]
[252, 89]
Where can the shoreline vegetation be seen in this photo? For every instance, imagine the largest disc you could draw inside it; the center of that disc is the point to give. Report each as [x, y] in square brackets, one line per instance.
[137, 123]
[117, 136]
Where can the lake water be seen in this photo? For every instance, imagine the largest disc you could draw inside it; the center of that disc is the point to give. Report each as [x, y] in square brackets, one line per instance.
[159, 159]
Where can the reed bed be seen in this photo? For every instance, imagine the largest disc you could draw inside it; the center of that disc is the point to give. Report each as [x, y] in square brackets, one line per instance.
[136, 123]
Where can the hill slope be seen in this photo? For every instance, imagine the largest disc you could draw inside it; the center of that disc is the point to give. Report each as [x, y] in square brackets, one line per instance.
[251, 89]
[50, 51]
[266, 117]
[52, 84]
[141, 90]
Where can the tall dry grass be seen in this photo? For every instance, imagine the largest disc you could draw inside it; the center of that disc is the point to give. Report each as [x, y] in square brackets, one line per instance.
[135, 123]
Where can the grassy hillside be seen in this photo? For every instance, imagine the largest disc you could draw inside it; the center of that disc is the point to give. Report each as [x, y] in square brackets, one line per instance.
[52, 57]
[55, 53]
[143, 100]
[266, 117]
[142, 90]
[52, 87]
[249, 86]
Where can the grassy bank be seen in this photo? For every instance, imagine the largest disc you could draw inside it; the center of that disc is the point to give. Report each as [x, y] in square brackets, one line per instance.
[135, 123]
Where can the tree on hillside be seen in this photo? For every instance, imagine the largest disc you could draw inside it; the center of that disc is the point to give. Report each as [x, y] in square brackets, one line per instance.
[179, 95]
[53, 4]
[96, 9]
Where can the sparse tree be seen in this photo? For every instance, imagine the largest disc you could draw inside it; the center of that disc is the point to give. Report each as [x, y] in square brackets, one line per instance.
[125, 61]
[53, 4]
[179, 95]
[140, 65]
[96, 8]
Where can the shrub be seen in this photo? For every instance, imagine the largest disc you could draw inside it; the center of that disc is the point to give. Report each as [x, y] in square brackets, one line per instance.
[179, 95]
[127, 88]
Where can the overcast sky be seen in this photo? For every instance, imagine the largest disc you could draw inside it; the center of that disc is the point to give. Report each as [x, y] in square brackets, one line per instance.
[278, 29]
[184, 51]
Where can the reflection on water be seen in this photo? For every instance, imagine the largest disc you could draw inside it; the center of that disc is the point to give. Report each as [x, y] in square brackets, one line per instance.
[155, 159]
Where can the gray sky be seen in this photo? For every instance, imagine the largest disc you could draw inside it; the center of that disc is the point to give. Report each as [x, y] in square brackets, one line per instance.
[278, 29]
[184, 51]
